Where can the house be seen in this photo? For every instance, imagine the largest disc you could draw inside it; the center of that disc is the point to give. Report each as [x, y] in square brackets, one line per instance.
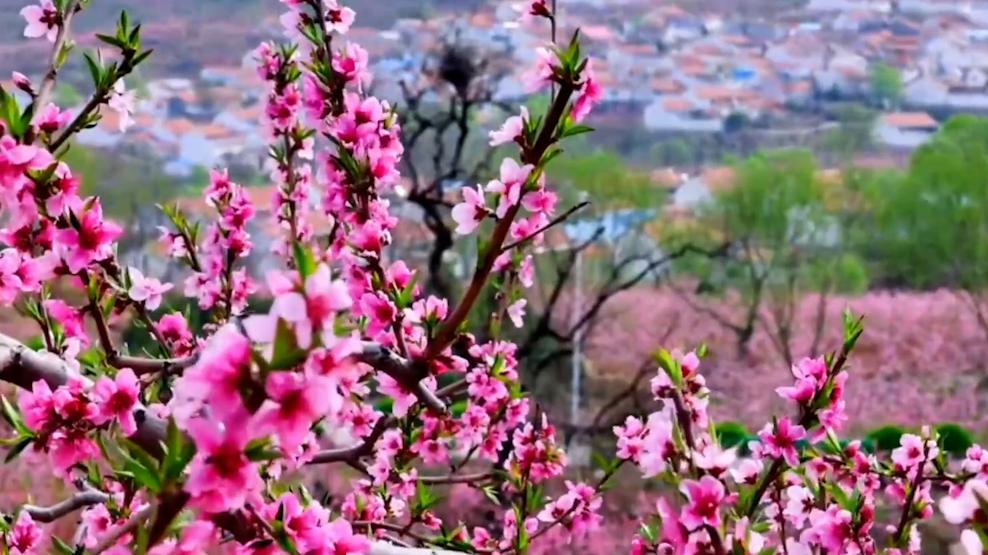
[906, 130]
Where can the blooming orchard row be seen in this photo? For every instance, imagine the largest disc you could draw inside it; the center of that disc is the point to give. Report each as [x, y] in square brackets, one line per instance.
[192, 446]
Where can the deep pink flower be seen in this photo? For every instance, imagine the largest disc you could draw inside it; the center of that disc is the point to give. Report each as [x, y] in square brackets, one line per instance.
[117, 398]
[25, 536]
[217, 377]
[705, 498]
[295, 403]
[221, 478]
[51, 119]
[196, 538]
[351, 63]
[780, 441]
[90, 238]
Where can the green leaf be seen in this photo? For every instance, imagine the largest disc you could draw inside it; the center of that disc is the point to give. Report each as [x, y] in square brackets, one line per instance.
[18, 448]
[261, 450]
[286, 354]
[112, 41]
[95, 69]
[13, 417]
[178, 453]
[574, 130]
[62, 547]
[670, 366]
[141, 466]
[305, 261]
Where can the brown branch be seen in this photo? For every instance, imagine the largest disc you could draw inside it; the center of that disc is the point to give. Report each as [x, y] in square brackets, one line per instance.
[447, 332]
[113, 537]
[62, 508]
[403, 371]
[354, 453]
[22, 367]
[457, 479]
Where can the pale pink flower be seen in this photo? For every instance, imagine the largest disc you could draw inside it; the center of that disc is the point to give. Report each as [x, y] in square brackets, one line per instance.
[146, 290]
[469, 213]
[589, 95]
[122, 102]
[516, 312]
[511, 130]
[43, 20]
[513, 178]
[339, 19]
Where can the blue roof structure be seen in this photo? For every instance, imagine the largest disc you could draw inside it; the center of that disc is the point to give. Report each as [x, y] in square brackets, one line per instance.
[615, 225]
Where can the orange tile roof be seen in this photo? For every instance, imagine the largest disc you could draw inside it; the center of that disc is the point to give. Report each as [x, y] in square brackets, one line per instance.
[666, 178]
[179, 126]
[910, 120]
[667, 85]
[677, 105]
[719, 178]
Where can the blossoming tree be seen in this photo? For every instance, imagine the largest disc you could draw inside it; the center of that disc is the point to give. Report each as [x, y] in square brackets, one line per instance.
[190, 448]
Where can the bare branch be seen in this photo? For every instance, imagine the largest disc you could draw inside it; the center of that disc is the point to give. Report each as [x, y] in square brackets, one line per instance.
[353, 454]
[48, 83]
[62, 508]
[403, 371]
[555, 221]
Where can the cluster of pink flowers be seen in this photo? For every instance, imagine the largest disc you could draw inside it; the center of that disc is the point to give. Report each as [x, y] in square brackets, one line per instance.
[799, 491]
[63, 420]
[215, 281]
[352, 364]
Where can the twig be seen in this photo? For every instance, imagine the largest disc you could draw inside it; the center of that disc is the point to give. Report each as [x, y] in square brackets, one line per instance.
[353, 454]
[402, 370]
[447, 332]
[113, 537]
[48, 83]
[556, 221]
[457, 479]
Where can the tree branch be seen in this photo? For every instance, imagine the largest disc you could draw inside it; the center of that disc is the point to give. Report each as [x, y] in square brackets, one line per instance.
[48, 83]
[22, 367]
[402, 370]
[62, 508]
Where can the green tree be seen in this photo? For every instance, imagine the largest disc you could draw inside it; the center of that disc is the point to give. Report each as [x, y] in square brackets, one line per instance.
[607, 179]
[775, 220]
[886, 84]
[931, 226]
[673, 152]
[854, 132]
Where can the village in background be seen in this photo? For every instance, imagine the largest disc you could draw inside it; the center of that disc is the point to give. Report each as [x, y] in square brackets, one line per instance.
[693, 90]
